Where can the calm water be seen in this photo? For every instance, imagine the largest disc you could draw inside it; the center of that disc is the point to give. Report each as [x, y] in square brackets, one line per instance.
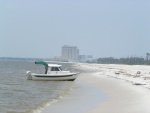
[18, 95]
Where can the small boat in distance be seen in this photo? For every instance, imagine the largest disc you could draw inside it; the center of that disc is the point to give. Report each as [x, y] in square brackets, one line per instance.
[52, 72]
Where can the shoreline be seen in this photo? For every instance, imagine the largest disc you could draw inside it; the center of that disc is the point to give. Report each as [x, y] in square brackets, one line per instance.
[117, 82]
[124, 95]
[83, 97]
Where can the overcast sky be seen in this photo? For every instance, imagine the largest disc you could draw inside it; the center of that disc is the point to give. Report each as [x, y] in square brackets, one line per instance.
[102, 28]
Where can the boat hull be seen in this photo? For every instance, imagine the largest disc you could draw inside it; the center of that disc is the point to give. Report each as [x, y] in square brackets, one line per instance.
[50, 77]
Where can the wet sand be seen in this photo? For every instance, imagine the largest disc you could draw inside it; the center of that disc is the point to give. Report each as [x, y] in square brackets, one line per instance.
[118, 96]
[123, 96]
[83, 97]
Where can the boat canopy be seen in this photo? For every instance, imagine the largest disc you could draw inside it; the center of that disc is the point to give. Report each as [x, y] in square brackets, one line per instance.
[42, 63]
[54, 65]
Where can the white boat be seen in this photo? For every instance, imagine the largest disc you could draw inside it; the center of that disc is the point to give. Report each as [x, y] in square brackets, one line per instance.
[52, 72]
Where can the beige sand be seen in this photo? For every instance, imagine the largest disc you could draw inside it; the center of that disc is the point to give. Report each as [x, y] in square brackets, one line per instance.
[124, 97]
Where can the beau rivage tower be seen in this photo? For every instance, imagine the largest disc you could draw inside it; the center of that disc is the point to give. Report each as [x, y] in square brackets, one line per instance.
[70, 52]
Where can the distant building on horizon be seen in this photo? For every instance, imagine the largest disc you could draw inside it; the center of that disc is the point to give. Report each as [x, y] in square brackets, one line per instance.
[70, 53]
[85, 58]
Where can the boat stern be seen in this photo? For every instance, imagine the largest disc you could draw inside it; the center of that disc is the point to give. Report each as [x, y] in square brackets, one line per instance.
[28, 75]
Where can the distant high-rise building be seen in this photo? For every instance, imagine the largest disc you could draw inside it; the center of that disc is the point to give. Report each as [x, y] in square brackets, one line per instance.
[85, 58]
[70, 52]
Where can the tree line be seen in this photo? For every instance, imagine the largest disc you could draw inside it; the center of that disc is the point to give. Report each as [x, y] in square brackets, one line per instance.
[128, 60]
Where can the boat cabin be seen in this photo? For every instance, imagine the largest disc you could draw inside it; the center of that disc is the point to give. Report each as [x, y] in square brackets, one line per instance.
[54, 67]
[51, 68]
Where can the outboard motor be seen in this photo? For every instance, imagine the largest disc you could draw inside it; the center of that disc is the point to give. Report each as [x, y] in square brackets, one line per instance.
[29, 76]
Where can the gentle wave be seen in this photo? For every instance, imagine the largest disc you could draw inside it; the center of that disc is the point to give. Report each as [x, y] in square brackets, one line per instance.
[19, 95]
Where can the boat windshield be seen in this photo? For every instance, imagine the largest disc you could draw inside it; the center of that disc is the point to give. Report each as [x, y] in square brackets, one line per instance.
[55, 69]
[60, 69]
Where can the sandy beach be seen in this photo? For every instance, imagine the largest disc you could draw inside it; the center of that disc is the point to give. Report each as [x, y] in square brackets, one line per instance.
[125, 96]
[126, 90]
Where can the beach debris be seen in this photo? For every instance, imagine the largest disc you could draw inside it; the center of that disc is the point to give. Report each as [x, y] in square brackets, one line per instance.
[146, 77]
[117, 72]
[138, 72]
[137, 83]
